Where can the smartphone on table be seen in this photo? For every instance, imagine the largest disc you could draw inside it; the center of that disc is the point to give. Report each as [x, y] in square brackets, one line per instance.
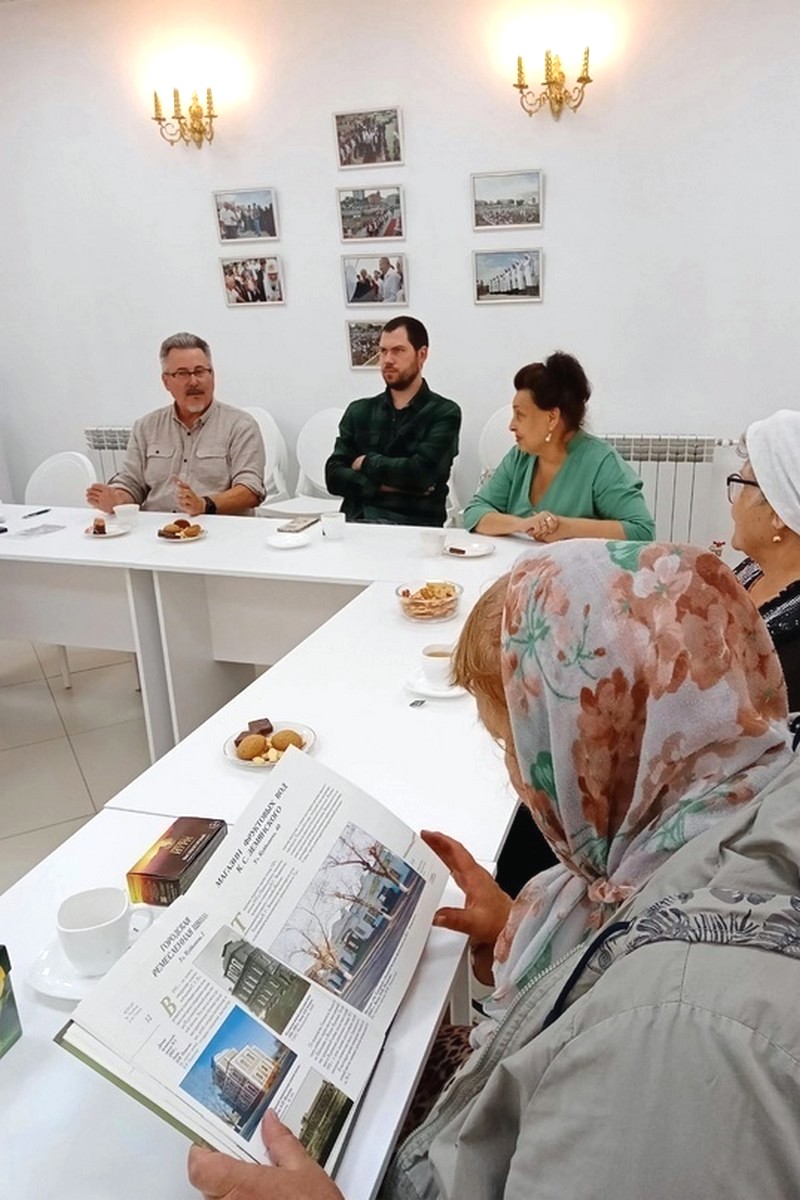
[297, 524]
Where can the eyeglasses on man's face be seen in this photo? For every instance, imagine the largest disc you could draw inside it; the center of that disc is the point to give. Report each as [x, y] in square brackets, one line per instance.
[735, 483]
[183, 373]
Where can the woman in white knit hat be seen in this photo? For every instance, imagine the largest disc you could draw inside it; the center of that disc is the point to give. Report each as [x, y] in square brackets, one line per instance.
[765, 499]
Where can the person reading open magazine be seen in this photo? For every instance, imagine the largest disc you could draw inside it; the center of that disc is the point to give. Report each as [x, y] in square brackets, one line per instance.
[272, 983]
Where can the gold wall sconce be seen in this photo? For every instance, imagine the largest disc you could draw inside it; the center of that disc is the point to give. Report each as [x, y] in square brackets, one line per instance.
[197, 126]
[555, 93]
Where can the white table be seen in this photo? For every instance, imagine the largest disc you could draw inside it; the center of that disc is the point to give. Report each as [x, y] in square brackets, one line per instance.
[197, 613]
[66, 1132]
[435, 766]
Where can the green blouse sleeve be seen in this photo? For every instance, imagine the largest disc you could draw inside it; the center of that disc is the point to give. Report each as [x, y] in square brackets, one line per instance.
[617, 496]
[496, 493]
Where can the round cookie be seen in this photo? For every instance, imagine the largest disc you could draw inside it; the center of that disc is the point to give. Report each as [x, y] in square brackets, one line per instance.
[285, 738]
[251, 746]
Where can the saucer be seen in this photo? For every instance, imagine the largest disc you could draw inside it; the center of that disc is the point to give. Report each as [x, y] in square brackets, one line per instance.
[289, 541]
[474, 549]
[306, 733]
[171, 540]
[112, 530]
[421, 686]
[52, 974]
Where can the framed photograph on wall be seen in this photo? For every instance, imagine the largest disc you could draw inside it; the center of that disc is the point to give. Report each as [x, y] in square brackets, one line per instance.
[371, 214]
[506, 276]
[368, 139]
[375, 279]
[252, 281]
[362, 343]
[507, 200]
[246, 215]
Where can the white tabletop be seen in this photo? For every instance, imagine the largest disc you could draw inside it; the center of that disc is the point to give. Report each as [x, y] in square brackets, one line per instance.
[238, 547]
[435, 766]
[66, 1132]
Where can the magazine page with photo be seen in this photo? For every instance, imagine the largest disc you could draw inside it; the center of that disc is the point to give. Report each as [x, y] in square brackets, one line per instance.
[272, 983]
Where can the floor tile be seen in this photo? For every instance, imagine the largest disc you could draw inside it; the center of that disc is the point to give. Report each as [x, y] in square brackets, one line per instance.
[18, 663]
[28, 715]
[110, 758]
[81, 658]
[40, 785]
[98, 698]
[21, 853]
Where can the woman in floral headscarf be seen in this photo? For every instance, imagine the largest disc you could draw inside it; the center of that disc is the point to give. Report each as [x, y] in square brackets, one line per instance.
[645, 985]
[638, 719]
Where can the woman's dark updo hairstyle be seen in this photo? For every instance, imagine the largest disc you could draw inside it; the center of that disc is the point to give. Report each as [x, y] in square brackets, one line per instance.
[558, 383]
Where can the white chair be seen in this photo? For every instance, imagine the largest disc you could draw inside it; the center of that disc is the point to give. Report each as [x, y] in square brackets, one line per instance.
[314, 447]
[315, 443]
[452, 503]
[62, 479]
[495, 442]
[277, 455]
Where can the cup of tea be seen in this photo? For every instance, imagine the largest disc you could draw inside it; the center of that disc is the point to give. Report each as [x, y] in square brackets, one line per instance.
[437, 663]
[127, 514]
[432, 542]
[96, 927]
[333, 526]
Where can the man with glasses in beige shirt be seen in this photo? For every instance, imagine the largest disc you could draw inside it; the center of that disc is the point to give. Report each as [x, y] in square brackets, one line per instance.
[196, 455]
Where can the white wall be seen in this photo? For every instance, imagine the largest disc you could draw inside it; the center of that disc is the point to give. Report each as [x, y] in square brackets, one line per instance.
[671, 261]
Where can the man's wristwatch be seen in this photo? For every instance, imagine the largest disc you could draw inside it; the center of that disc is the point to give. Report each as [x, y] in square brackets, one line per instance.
[211, 507]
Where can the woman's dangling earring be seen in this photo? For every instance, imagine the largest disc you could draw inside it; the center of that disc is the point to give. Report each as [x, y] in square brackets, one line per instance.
[776, 537]
[549, 436]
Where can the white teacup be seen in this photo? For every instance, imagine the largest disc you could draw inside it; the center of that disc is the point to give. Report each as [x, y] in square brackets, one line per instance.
[127, 514]
[432, 541]
[333, 526]
[437, 663]
[95, 928]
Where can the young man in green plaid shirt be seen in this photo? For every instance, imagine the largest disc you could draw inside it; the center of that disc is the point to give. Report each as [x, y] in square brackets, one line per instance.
[392, 458]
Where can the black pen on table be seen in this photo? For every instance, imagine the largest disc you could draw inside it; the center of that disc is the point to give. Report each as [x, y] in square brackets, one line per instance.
[39, 513]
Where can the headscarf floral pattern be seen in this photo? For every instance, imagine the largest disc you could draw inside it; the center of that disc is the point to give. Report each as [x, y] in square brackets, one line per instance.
[645, 700]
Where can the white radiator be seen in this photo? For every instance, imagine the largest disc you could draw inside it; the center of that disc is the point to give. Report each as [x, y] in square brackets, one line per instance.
[681, 484]
[107, 445]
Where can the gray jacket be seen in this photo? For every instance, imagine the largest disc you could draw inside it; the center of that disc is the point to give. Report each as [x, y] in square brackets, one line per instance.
[670, 1069]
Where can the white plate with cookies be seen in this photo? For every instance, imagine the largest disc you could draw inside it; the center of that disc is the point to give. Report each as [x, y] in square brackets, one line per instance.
[259, 753]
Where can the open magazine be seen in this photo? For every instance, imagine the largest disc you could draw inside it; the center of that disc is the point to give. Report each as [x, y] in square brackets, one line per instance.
[273, 981]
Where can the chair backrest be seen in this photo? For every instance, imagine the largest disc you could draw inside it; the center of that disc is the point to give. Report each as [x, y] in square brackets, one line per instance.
[495, 440]
[61, 479]
[452, 503]
[276, 451]
[314, 447]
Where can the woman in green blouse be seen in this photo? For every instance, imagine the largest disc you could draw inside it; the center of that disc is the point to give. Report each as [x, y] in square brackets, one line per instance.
[559, 482]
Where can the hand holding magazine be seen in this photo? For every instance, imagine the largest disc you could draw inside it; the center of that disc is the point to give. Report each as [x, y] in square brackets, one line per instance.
[272, 983]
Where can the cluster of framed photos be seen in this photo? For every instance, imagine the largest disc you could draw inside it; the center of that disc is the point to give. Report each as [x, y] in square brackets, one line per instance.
[507, 201]
[504, 201]
[249, 215]
[373, 138]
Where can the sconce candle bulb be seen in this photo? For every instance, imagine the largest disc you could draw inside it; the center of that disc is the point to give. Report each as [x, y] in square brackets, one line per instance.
[584, 75]
[555, 94]
[197, 126]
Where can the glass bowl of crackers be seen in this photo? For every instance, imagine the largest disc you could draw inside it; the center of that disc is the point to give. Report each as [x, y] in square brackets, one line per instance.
[436, 600]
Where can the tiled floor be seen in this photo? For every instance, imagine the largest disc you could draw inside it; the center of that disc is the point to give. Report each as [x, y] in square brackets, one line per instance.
[63, 754]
